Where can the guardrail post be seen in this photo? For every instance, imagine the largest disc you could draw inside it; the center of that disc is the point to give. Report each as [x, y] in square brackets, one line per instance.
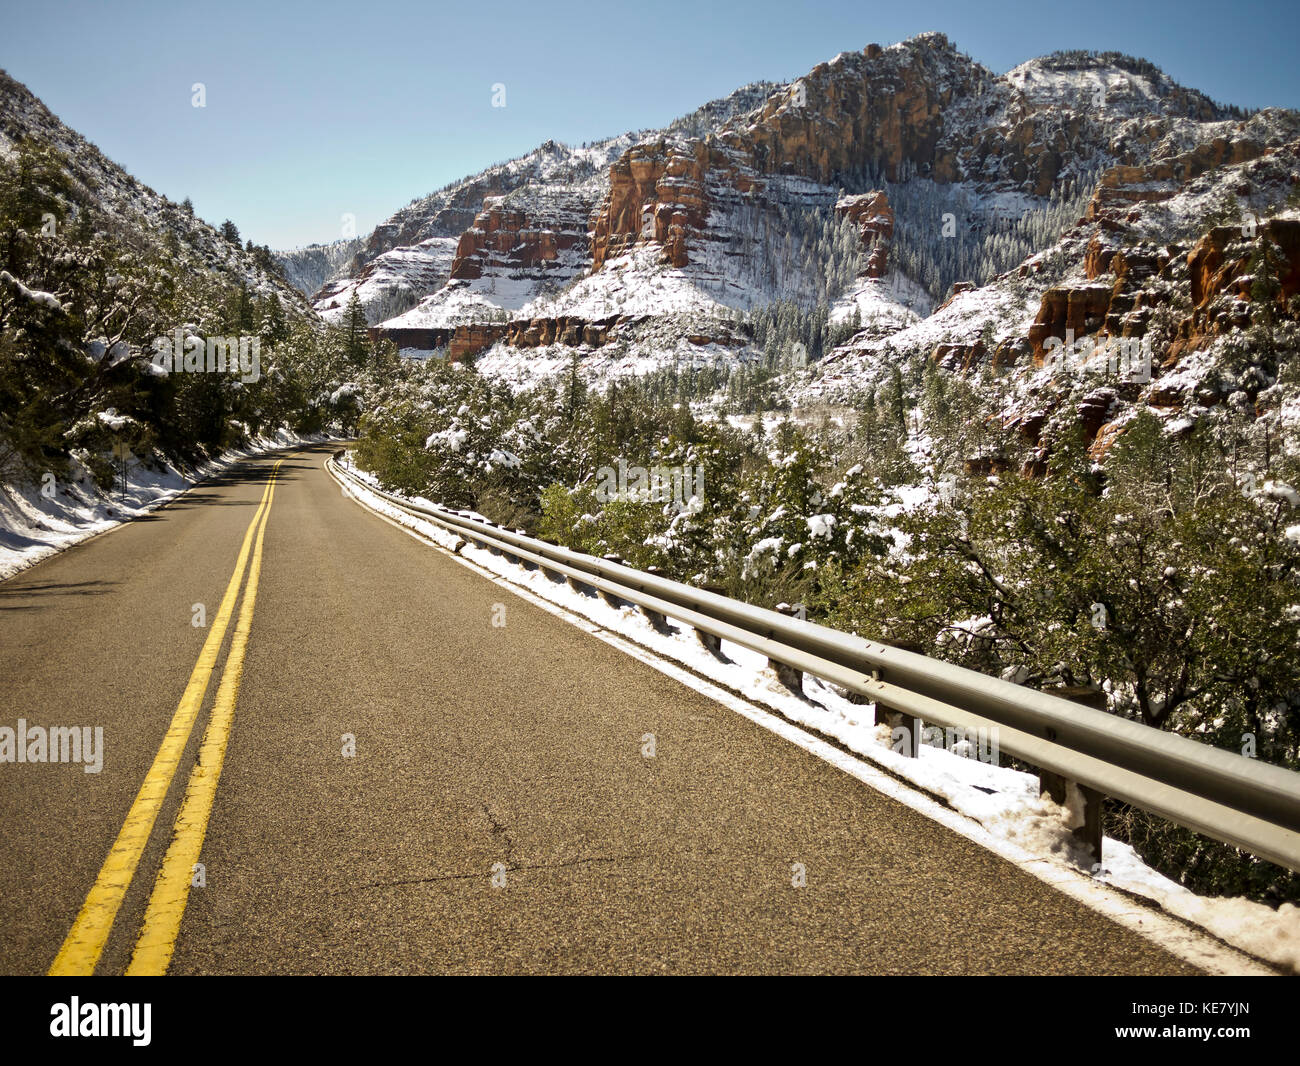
[492, 546]
[710, 641]
[907, 732]
[789, 676]
[1058, 786]
[506, 553]
[551, 575]
[519, 560]
[609, 597]
[578, 586]
[658, 622]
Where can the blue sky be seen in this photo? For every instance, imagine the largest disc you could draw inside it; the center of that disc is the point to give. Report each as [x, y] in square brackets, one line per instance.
[319, 109]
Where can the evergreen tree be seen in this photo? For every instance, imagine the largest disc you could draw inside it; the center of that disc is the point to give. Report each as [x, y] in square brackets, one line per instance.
[35, 190]
[1267, 265]
[273, 329]
[575, 389]
[356, 339]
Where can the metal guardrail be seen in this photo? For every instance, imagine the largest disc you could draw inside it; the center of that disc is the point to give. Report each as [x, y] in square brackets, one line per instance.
[1241, 801]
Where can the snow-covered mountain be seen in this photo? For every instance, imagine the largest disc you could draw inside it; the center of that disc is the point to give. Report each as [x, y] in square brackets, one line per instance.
[309, 268]
[654, 247]
[410, 254]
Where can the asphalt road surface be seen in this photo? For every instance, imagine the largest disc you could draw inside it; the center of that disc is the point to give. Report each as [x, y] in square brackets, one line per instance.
[493, 812]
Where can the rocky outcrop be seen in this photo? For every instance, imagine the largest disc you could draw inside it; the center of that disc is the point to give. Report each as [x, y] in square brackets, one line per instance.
[883, 106]
[1119, 308]
[877, 107]
[1094, 408]
[880, 108]
[469, 340]
[958, 287]
[1011, 352]
[658, 192]
[1068, 312]
[1219, 262]
[958, 357]
[873, 216]
[1220, 282]
[1122, 187]
[455, 211]
[503, 238]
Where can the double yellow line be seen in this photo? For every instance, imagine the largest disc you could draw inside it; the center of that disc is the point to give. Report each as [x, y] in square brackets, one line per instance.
[153, 950]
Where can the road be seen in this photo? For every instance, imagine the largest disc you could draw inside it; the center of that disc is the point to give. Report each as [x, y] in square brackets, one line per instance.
[495, 814]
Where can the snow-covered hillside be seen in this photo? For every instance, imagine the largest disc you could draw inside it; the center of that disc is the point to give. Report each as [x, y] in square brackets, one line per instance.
[566, 251]
[414, 265]
[309, 268]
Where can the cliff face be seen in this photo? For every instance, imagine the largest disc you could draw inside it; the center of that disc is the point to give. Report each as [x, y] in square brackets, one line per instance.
[873, 216]
[524, 184]
[884, 106]
[468, 340]
[1213, 269]
[503, 237]
[658, 192]
[854, 112]
[1166, 254]
[451, 211]
[1126, 281]
[917, 109]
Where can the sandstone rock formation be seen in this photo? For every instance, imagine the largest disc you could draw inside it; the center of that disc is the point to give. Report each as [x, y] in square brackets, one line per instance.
[875, 221]
[503, 237]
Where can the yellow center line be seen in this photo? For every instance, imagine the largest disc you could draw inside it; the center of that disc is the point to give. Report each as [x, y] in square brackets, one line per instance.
[85, 941]
[162, 919]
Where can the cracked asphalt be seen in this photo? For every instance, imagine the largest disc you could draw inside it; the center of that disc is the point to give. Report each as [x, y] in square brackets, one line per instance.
[497, 816]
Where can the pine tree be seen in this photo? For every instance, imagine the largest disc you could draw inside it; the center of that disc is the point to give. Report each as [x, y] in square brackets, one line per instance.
[273, 328]
[355, 336]
[1267, 265]
[34, 187]
[894, 398]
[242, 317]
[575, 390]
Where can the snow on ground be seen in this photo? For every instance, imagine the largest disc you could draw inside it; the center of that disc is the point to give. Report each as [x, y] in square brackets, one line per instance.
[884, 304]
[523, 368]
[1108, 86]
[637, 283]
[865, 359]
[34, 526]
[769, 419]
[462, 302]
[1003, 801]
[406, 273]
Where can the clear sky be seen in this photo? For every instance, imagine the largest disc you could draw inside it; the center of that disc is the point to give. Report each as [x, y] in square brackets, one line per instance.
[317, 109]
